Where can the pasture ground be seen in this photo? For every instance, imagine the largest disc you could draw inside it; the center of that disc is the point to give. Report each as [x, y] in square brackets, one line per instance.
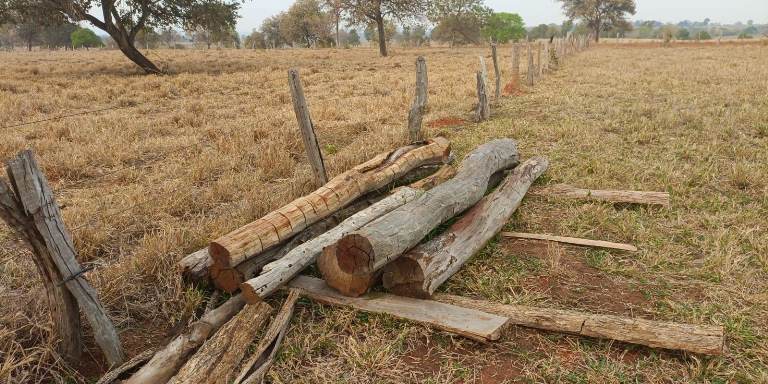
[186, 157]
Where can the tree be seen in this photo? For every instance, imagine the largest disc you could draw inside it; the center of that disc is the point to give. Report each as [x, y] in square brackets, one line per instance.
[354, 38]
[123, 20]
[169, 36]
[502, 27]
[599, 15]
[212, 20]
[270, 27]
[372, 32]
[305, 23]
[683, 34]
[84, 37]
[459, 21]
[255, 40]
[335, 11]
[376, 11]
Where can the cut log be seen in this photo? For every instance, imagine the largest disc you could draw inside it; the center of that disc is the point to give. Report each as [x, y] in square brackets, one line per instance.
[167, 361]
[281, 271]
[194, 267]
[373, 246]
[703, 339]
[470, 323]
[280, 225]
[256, 368]
[629, 197]
[571, 240]
[116, 375]
[419, 272]
[217, 360]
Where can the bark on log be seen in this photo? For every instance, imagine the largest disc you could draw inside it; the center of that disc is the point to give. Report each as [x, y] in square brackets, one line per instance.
[256, 368]
[116, 374]
[194, 267]
[307, 129]
[217, 360]
[279, 225]
[571, 240]
[419, 272]
[629, 197]
[167, 361]
[703, 339]
[373, 246]
[470, 323]
[419, 106]
[281, 271]
[483, 110]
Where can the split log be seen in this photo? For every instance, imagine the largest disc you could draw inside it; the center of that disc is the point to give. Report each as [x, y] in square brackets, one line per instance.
[470, 323]
[419, 106]
[167, 361]
[419, 272]
[281, 271]
[307, 129]
[256, 368]
[194, 267]
[629, 197]
[123, 370]
[278, 226]
[703, 339]
[216, 361]
[571, 240]
[373, 246]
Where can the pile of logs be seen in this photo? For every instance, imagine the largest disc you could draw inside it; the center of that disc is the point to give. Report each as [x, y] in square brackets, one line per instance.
[360, 233]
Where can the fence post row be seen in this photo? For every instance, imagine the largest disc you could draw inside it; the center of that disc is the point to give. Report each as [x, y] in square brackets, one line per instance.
[419, 106]
[29, 207]
[531, 68]
[496, 71]
[307, 129]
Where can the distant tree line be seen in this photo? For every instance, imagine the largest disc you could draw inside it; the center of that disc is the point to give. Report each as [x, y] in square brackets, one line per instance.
[692, 30]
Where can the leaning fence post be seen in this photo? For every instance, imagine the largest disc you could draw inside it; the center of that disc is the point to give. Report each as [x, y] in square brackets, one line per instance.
[419, 106]
[483, 111]
[496, 71]
[531, 68]
[516, 64]
[29, 206]
[307, 129]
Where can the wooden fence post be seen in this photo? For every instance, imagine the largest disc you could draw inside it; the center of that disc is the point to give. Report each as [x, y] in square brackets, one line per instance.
[419, 106]
[483, 111]
[307, 129]
[539, 66]
[496, 71]
[516, 63]
[531, 68]
[28, 205]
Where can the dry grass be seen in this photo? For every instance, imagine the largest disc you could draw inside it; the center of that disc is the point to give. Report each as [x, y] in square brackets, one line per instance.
[215, 145]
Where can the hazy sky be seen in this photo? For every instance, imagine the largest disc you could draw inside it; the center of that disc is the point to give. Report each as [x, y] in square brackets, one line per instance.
[536, 12]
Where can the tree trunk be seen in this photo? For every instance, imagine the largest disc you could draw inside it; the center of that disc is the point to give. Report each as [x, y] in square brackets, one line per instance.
[382, 36]
[419, 272]
[129, 50]
[279, 225]
[373, 246]
[338, 39]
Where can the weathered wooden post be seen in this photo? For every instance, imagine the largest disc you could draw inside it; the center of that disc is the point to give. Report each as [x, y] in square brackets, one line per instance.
[419, 106]
[496, 71]
[546, 68]
[516, 63]
[539, 66]
[307, 129]
[483, 111]
[29, 207]
[531, 68]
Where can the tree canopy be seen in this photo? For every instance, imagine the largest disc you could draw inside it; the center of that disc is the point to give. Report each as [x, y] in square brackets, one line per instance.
[85, 38]
[363, 12]
[599, 15]
[459, 21]
[501, 27]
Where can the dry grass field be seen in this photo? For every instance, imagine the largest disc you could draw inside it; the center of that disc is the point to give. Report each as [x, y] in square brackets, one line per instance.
[186, 157]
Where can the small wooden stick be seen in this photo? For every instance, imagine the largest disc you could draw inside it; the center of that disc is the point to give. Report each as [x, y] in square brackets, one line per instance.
[631, 197]
[571, 240]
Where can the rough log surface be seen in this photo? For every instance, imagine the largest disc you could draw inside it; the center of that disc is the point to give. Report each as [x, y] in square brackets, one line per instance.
[217, 360]
[571, 240]
[703, 339]
[423, 269]
[376, 244]
[531, 68]
[256, 368]
[307, 129]
[281, 271]
[280, 225]
[515, 63]
[496, 71]
[116, 375]
[419, 106]
[167, 361]
[470, 323]
[629, 197]
[483, 110]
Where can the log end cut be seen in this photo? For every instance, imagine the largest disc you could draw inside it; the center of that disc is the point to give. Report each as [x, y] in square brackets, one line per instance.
[405, 277]
[347, 284]
[354, 254]
[250, 294]
[219, 253]
[225, 278]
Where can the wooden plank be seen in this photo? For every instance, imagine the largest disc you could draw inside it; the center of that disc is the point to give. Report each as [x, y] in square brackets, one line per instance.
[571, 240]
[470, 323]
[629, 197]
[37, 202]
[704, 339]
[306, 127]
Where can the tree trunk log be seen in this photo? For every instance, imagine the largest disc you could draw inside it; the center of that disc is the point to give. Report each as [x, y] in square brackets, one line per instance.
[373, 246]
[167, 361]
[470, 323]
[256, 368]
[279, 225]
[656, 334]
[217, 360]
[419, 272]
[629, 197]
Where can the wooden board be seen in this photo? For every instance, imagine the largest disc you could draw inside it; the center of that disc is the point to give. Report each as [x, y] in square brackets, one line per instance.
[571, 240]
[628, 197]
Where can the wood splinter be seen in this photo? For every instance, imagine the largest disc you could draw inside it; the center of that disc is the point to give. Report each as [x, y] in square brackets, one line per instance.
[571, 240]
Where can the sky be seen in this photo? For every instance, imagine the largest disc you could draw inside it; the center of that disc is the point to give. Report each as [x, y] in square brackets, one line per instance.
[535, 12]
